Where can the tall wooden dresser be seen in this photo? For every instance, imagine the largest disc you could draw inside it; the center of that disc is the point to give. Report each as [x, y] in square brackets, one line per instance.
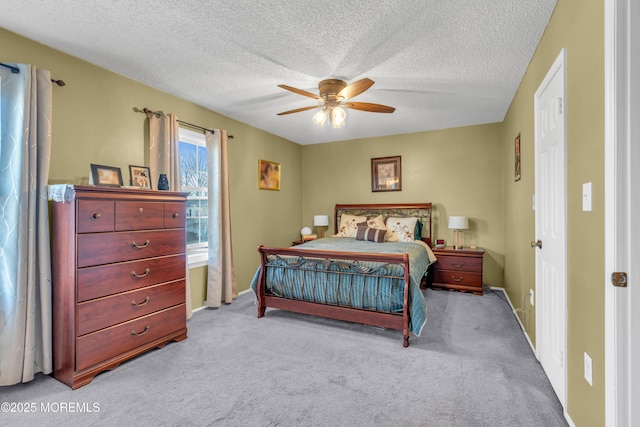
[118, 277]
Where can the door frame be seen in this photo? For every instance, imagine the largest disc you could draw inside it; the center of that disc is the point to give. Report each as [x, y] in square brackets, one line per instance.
[559, 63]
[617, 36]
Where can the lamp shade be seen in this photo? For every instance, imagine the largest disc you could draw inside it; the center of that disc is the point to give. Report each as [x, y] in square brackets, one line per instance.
[458, 222]
[321, 220]
[320, 117]
[337, 117]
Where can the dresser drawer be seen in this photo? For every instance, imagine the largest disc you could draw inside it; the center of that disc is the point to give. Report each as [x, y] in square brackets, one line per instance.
[471, 264]
[107, 248]
[457, 277]
[95, 216]
[175, 214]
[135, 215]
[103, 280]
[108, 311]
[116, 340]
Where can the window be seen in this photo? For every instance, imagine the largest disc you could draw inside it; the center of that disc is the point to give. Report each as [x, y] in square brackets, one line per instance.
[194, 180]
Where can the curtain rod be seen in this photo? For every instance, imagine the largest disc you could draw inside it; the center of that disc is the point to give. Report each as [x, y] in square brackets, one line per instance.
[16, 70]
[148, 112]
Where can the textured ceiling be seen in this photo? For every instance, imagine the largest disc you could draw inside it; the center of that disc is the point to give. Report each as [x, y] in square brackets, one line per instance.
[441, 63]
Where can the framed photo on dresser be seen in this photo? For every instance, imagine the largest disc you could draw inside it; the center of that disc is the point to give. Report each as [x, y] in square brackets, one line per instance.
[140, 176]
[106, 176]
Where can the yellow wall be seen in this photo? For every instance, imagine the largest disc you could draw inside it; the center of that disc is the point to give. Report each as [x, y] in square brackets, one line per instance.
[463, 171]
[458, 170]
[94, 122]
[198, 286]
[578, 26]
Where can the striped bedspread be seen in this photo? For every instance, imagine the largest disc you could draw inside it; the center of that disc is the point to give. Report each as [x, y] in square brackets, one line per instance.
[364, 292]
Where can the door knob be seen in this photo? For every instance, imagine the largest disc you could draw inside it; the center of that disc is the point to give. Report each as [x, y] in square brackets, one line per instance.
[537, 243]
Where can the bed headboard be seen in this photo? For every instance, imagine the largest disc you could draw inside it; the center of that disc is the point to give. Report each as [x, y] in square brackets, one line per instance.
[420, 210]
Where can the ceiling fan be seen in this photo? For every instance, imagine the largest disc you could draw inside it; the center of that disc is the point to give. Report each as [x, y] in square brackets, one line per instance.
[333, 93]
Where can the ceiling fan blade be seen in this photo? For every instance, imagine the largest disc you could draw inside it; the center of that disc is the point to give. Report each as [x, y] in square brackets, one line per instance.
[300, 91]
[297, 110]
[366, 106]
[356, 88]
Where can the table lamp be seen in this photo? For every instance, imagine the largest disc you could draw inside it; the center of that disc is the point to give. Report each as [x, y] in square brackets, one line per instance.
[305, 233]
[458, 224]
[321, 221]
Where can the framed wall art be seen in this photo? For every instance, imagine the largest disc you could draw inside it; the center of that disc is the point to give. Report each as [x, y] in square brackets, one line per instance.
[386, 174]
[517, 157]
[106, 176]
[269, 175]
[140, 176]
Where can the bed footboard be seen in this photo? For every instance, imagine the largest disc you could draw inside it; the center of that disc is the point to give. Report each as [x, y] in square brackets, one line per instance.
[371, 289]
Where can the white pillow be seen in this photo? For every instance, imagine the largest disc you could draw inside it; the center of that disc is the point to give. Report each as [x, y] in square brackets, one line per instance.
[377, 223]
[401, 229]
[349, 225]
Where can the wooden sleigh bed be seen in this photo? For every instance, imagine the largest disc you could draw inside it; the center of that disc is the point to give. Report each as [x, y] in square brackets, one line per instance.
[373, 287]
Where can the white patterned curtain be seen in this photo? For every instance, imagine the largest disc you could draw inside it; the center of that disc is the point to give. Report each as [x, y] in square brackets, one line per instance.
[164, 158]
[221, 278]
[25, 259]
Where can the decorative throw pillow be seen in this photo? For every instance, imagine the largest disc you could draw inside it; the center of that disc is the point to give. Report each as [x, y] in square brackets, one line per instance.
[377, 222]
[401, 229]
[418, 230]
[349, 225]
[371, 234]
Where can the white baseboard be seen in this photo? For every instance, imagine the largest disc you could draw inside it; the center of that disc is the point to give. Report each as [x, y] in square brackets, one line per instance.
[205, 303]
[524, 331]
[568, 418]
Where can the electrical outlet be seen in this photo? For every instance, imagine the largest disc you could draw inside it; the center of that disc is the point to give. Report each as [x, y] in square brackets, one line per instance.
[531, 297]
[588, 364]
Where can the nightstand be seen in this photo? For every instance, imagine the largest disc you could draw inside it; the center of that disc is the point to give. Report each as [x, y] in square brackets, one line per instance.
[297, 242]
[458, 269]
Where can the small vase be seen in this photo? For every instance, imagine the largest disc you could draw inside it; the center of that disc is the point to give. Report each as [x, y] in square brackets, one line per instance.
[163, 182]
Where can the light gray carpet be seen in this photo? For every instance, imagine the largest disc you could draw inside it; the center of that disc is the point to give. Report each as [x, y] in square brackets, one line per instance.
[472, 366]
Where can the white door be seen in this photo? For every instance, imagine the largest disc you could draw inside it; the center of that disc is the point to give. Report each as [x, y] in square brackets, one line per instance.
[622, 204]
[550, 217]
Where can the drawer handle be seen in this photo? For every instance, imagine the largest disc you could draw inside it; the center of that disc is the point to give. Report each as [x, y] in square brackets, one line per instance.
[140, 209]
[97, 215]
[457, 264]
[176, 215]
[142, 246]
[146, 300]
[456, 279]
[139, 334]
[134, 274]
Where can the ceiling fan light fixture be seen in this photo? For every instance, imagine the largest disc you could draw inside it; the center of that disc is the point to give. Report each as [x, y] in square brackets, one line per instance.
[320, 117]
[338, 115]
[333, 94]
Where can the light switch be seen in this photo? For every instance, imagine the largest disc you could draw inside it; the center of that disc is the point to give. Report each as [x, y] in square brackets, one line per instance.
[588, 368]
[586, 197]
